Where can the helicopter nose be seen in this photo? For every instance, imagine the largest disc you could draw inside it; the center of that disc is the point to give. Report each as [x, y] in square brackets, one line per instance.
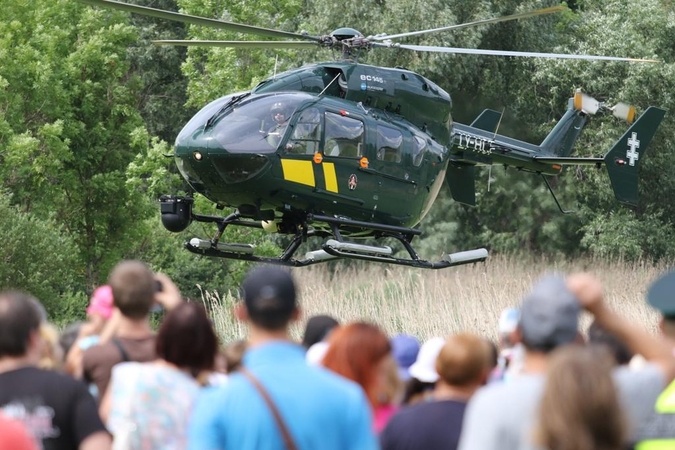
[209, 167]
[238, 168]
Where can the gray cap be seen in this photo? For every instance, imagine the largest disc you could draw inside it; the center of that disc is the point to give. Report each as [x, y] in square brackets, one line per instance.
[549, 316]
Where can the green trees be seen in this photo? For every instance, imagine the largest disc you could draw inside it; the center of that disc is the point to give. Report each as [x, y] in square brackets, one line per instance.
[643, 30]
[68, 120]
[88, 108]
[41, 258]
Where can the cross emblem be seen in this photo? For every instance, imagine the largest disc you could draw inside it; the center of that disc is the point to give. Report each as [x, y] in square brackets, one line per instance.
[633, 144]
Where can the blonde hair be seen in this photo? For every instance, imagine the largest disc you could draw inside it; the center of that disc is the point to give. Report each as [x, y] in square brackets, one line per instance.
[52, 353]
[580, 408]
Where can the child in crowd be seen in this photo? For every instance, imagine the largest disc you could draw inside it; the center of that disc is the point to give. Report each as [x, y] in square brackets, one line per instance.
[99, 312]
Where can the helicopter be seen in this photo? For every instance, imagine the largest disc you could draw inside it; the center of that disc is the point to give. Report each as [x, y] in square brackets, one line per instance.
[344, 151]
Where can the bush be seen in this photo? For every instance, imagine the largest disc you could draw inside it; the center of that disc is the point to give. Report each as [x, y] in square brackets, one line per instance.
[40, 258]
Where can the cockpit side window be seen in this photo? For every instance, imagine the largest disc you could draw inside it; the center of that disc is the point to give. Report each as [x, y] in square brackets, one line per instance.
[306, 134]
[419, 149]
[344, 136]
[389, 141]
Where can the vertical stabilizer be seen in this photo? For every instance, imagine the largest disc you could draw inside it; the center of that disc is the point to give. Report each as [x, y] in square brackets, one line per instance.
[623, 160]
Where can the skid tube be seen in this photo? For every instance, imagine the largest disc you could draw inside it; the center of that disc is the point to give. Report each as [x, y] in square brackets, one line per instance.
[331, 250]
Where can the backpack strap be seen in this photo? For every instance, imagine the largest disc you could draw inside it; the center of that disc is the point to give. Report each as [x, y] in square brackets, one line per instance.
[120, 347]
[288, 439]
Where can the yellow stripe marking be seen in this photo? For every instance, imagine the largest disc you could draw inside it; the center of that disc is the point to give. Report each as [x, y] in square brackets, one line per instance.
[329, 175]
[298, 171]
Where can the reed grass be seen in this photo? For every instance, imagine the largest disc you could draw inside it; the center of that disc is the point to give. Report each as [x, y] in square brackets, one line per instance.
[438, 303]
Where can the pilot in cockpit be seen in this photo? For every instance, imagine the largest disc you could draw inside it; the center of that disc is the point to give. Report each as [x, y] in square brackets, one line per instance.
[280, 116]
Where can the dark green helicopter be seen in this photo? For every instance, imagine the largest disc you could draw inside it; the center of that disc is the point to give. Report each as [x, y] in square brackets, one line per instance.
[344, 151]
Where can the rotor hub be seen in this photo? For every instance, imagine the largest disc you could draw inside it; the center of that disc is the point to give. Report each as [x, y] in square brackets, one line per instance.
[342, 34]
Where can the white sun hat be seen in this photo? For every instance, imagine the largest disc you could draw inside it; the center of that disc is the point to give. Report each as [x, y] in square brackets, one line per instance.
[424, 368]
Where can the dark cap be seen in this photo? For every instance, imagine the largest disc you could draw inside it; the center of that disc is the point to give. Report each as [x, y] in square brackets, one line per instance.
[317, 329]
[269, 296]
[549, 316]
[661, 295]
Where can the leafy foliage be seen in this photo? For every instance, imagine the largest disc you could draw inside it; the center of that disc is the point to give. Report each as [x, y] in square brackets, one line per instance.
[87, 107]
[68, 121]
[40, 258]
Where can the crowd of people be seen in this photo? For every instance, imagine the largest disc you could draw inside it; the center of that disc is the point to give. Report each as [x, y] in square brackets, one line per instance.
[113, 382]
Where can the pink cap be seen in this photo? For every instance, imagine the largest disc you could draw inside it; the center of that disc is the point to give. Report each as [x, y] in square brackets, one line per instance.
[101, 302]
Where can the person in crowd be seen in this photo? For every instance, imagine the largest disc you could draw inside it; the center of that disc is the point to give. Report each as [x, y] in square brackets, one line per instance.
[148, 405]
[657, 431]
[510, 358]
[57, 410]
[134, 289]
[463, 367]
[503, 415]
[423, 375]
[597, 336]
[315, 338]
[52, 354]
[404, 348]
[580, 408]
[493, 360]
[69, 335]
[361, 352]
[317, 329]
[14, 435]
[233, 355]
[275, 399]
[391, 394]
[99, 311]
[316, 353]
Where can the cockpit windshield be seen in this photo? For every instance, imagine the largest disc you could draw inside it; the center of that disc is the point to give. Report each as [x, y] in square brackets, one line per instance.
[258, 124]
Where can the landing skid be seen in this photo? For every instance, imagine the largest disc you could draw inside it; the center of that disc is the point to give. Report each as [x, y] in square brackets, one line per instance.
[332, 249]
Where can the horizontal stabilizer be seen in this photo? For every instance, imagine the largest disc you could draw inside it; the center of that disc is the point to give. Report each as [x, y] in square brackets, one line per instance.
[461, 181]
[488, 120]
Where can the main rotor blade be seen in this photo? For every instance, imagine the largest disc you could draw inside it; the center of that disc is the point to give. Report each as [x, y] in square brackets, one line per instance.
[196, 20]
[237, 44]
[537, 12]
[474, 51]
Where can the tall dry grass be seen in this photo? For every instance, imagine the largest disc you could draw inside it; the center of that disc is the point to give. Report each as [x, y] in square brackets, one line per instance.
[437, 303]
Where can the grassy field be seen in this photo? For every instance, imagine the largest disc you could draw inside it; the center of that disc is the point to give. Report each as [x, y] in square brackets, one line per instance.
[437, 303]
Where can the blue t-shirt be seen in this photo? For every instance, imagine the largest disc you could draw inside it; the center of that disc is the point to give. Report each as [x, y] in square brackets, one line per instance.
[320, 409]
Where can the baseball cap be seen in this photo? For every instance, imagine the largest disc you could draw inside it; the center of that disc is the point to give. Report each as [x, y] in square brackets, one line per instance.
[508, 320]
[661, 295]
[549, 315]
[424, 367]
[268, 292]
[404, 349]
[101, 302]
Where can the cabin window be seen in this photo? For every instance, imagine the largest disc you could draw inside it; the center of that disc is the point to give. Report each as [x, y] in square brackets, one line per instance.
[344, 136]
[419, 149]
[389, 142]
[306, 133]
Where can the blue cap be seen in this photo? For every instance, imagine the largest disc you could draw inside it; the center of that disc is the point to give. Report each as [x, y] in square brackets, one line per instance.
[404, 348]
